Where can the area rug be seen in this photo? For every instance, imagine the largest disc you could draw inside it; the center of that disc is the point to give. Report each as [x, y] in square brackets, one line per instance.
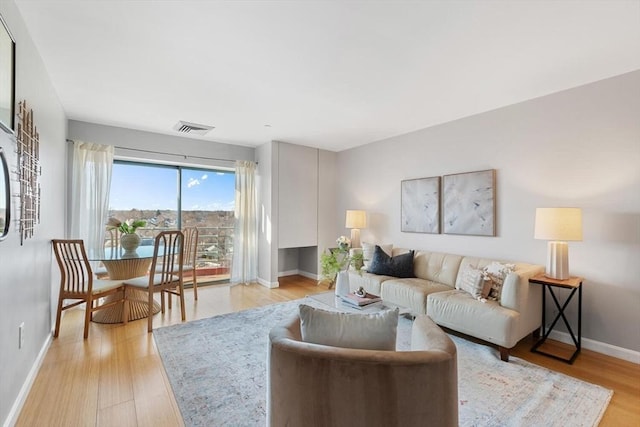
[217, 369]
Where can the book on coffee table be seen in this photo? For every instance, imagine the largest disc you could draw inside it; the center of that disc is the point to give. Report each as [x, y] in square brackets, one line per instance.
[358, 301]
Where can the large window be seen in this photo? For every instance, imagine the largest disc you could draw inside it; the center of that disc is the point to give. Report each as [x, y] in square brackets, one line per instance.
[170, 197]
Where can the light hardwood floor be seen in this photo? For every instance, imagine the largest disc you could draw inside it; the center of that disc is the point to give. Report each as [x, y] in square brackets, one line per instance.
[116, 378]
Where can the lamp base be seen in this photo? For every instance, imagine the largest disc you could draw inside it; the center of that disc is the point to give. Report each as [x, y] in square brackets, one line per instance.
[557, 260]
[355, 237]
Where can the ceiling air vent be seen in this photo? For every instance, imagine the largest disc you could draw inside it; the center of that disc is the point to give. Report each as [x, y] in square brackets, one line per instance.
[195, 128]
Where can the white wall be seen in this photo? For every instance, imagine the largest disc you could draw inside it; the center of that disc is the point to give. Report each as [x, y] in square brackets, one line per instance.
[297, 196]
[579, 147]
[267, 178]
[329, 220]
[26, 281]
[160, 148]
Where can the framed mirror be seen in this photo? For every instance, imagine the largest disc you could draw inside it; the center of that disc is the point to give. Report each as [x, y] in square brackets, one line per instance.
[7, 78]
[5, 196]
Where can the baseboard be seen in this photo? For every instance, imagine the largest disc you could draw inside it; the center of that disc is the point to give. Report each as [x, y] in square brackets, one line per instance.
[288, 273]
[268, 284]
[12, 418]
[309, 275]
[599, 347]
[298, 273]
[272, 285]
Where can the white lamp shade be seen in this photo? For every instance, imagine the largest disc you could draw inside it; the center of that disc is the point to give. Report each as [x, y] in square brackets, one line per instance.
[562, 224]
[558, 225]
[356, 219]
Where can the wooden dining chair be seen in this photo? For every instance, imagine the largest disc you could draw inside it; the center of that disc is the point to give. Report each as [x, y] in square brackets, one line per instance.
[113, 235]
[191, 235]
[190, 255]
[165, 276]
[77, 283]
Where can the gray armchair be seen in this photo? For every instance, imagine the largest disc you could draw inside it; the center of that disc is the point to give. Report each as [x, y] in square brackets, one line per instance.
[317, 385]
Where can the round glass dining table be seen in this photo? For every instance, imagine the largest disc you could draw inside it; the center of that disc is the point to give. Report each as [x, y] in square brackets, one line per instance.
[122, 265]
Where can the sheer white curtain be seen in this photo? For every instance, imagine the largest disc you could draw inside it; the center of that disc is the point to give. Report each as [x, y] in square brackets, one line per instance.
[90, 184]
[244, 267]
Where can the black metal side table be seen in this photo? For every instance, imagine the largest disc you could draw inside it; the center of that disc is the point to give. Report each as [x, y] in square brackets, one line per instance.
[573, 283]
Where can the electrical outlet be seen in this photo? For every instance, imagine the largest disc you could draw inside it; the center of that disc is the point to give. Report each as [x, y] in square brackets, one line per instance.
[21, 335]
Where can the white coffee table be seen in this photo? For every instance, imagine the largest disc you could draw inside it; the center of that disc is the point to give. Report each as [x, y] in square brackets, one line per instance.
[331, 301]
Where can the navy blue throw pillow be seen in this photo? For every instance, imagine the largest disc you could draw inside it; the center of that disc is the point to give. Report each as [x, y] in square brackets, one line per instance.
[400, 266]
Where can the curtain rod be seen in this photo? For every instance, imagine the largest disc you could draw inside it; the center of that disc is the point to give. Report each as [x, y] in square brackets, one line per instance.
[184, 156]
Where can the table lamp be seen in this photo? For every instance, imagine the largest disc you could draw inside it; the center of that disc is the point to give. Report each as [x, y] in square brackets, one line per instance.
[355, 221]
[558, 225]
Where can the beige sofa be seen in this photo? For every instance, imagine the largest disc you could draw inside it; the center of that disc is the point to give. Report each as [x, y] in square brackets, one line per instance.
[318, 385]
[433, 292]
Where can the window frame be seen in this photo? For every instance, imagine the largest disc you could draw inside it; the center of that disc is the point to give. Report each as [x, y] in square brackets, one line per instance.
[179, 169]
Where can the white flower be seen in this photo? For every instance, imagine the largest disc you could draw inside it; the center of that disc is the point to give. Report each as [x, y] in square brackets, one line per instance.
[343, 241]
[113, 223]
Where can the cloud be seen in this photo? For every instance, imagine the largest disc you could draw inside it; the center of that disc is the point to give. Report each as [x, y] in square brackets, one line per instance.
[203, 177]
[221, 206]
[219, 173]
[192, 182]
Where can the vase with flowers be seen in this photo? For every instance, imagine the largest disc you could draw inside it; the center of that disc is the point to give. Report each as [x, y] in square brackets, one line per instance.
[129, 240]
[335, 262]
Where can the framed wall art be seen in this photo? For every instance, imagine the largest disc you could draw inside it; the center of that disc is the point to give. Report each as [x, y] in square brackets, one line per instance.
[420, 205]
[469, 203]
[29, 171]
[7, 78]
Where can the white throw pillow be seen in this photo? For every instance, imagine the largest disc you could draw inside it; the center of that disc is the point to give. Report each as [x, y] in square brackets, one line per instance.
[475, 282]
[369, 248]
[375, 331]
[497, 273]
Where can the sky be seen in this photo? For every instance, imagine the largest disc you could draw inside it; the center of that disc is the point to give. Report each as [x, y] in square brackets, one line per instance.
[155, 187]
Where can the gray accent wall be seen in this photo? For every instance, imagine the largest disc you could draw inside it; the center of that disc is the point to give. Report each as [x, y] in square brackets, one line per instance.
[288, 259]
[576, 148]
[29, 280]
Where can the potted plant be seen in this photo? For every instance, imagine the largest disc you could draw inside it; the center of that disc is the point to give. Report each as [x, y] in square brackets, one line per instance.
[336, 261]
[129, 239]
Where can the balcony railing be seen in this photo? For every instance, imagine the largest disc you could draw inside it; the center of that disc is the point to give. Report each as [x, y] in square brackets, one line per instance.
[215, 250]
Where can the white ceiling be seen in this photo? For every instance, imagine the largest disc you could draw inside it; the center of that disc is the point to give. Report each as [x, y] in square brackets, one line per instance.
[328, 74]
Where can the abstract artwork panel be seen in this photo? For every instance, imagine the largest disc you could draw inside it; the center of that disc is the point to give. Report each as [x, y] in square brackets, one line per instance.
[420, 205]
[469, 203]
